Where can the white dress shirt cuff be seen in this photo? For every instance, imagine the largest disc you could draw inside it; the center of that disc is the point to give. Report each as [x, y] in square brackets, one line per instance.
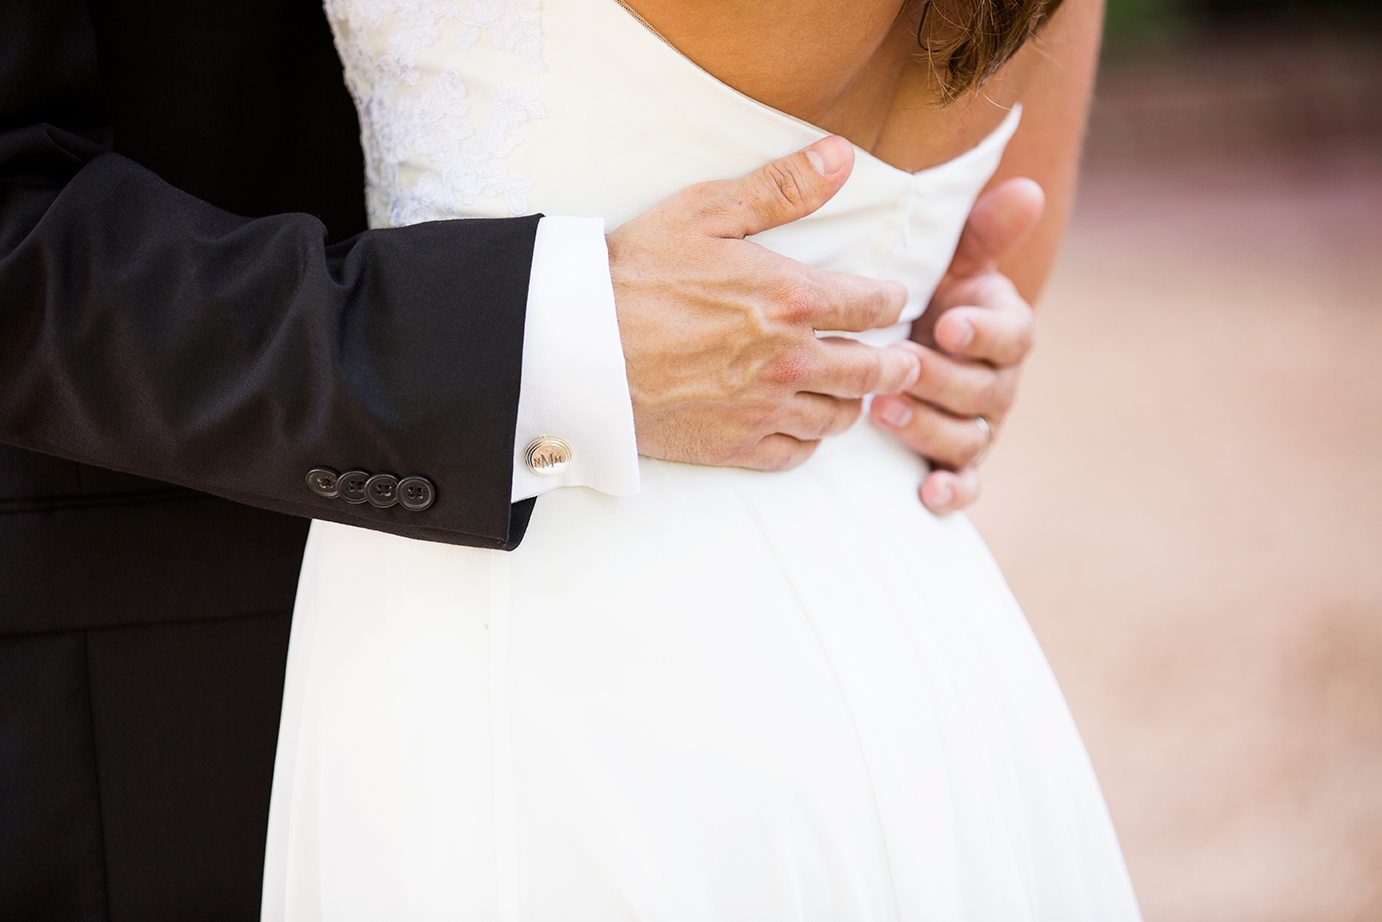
[574, 383]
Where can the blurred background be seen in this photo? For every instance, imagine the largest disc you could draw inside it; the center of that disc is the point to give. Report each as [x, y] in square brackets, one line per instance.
[1188, 497]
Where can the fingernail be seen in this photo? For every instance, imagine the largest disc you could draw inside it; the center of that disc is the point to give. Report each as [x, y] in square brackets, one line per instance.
[961, 334]
[942, 497]
[912, 375]
[826, 155]
[895, 413]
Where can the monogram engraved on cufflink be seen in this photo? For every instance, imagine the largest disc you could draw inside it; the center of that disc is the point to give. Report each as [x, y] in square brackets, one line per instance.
[547, 455]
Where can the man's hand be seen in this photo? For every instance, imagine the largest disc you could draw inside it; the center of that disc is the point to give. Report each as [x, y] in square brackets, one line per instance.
[972, 340]
[723, 360]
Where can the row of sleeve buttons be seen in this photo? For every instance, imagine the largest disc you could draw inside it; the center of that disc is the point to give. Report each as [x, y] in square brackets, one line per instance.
[379, 490]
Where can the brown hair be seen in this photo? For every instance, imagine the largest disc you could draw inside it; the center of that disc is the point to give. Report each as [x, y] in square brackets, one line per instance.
[965, 41]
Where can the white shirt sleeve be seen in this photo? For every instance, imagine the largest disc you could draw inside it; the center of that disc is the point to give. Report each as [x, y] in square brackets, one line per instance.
[574, 383]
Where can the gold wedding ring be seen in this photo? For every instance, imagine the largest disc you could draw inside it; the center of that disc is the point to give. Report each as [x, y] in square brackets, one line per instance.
[987, 432]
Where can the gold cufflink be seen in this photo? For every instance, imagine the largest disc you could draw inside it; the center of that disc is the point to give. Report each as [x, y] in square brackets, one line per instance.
[547, 455]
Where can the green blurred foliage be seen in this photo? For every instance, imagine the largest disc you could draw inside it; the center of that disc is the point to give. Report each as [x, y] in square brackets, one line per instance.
[1131, 18]
[1134, 22]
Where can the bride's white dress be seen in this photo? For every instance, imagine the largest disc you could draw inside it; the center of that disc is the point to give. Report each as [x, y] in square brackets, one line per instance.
[736, 696]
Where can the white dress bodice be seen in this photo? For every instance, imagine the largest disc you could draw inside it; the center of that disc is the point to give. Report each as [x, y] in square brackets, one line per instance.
[576, 108]
[734, 697]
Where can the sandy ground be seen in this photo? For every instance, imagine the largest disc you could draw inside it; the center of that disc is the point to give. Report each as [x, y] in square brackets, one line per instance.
[1188, 503]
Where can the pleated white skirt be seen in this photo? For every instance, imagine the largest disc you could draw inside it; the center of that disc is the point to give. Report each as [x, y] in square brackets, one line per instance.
[738, 696]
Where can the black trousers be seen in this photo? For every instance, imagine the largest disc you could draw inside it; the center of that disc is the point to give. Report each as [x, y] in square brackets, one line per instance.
[136, 764]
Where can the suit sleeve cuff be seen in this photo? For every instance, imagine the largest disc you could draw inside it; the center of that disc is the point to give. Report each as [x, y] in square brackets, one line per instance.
[574, 384]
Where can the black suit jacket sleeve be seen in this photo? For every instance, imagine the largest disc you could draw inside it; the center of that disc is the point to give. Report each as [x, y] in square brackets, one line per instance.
[144, 330]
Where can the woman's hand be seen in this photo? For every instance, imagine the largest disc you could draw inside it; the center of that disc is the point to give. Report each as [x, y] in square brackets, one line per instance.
[972, 341]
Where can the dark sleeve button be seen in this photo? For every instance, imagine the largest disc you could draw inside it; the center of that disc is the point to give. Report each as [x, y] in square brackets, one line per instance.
[352, 486]
[416, 493]
[324, 482]
[382, 490]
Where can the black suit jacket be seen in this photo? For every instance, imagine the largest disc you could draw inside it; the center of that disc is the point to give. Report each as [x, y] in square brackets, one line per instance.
[181, 341]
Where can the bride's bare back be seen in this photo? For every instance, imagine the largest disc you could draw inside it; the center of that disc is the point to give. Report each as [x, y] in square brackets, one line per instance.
[857, 69]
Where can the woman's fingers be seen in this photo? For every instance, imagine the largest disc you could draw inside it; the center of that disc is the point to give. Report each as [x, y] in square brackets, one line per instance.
[962, 387]
[971, 341]
[984, 319]
[951, 444]
[949, 441]
[946, 491]
[986, 335]
[1000, 219]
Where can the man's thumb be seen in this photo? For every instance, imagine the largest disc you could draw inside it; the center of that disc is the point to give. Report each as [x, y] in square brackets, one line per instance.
[1001, 218]
[787, 189]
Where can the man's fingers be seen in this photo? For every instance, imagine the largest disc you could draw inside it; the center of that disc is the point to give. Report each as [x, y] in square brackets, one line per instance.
[946, 491]
[851, 369]
[999, 337]
[852, 303]
[777, 452]
[811, 417]
[948, 441]
[780, 193]
[998, 222]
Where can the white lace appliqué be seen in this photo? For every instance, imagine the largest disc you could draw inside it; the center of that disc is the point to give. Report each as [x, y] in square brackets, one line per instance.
[423, 123]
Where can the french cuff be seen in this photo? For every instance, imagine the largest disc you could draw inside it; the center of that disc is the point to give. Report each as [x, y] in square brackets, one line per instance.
[575, 418]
